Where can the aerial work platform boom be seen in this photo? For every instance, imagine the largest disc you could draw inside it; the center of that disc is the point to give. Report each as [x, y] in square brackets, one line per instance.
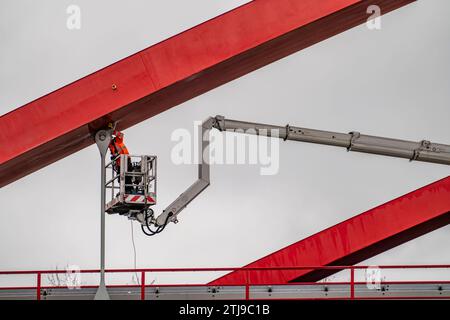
[425, 151]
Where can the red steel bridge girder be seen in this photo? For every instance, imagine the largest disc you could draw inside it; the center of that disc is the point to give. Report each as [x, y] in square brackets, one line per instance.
[169, 73]
[355, 239]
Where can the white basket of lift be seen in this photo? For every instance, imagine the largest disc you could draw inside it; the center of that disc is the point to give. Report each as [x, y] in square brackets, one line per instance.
[132, 184]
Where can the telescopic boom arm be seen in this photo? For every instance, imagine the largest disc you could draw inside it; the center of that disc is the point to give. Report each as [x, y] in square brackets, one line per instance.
[424, 150]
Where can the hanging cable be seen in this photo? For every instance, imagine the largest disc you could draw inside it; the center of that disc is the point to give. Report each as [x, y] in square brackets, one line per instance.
[134, 251]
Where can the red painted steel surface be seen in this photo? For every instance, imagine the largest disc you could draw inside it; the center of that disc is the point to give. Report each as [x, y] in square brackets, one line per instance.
[355, 239]
[169, 73]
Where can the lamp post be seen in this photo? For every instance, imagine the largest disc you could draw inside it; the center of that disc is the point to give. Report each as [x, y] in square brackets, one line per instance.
[102, 139]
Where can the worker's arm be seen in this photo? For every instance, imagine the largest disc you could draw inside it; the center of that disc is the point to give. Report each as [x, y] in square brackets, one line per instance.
[118, 134]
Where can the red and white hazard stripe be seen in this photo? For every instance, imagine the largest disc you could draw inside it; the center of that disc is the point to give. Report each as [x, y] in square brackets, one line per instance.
[132, 198]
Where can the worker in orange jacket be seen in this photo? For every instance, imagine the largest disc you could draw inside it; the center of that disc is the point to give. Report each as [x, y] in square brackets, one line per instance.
[117, 147]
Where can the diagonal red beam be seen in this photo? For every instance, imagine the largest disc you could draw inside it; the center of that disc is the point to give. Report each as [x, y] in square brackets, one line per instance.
[169, 73]
[355, 239]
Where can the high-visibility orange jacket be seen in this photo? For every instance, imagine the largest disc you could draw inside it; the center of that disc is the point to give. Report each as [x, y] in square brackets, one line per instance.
[117, 146]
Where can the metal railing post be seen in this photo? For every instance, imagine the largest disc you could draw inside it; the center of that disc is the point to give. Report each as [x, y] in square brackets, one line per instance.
[352, 283]
[247, 287]
[38, 286]
[143, 285]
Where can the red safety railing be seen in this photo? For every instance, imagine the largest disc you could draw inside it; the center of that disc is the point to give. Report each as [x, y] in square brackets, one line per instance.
[247, 284]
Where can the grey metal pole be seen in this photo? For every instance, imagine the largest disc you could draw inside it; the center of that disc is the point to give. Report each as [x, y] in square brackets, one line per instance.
[102, 139]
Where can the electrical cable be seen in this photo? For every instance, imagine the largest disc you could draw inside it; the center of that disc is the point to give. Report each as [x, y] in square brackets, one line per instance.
[146, 217]
[159, 229]
[134, 250]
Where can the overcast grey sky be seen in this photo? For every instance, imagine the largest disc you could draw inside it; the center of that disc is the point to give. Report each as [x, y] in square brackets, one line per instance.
[392, 82]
